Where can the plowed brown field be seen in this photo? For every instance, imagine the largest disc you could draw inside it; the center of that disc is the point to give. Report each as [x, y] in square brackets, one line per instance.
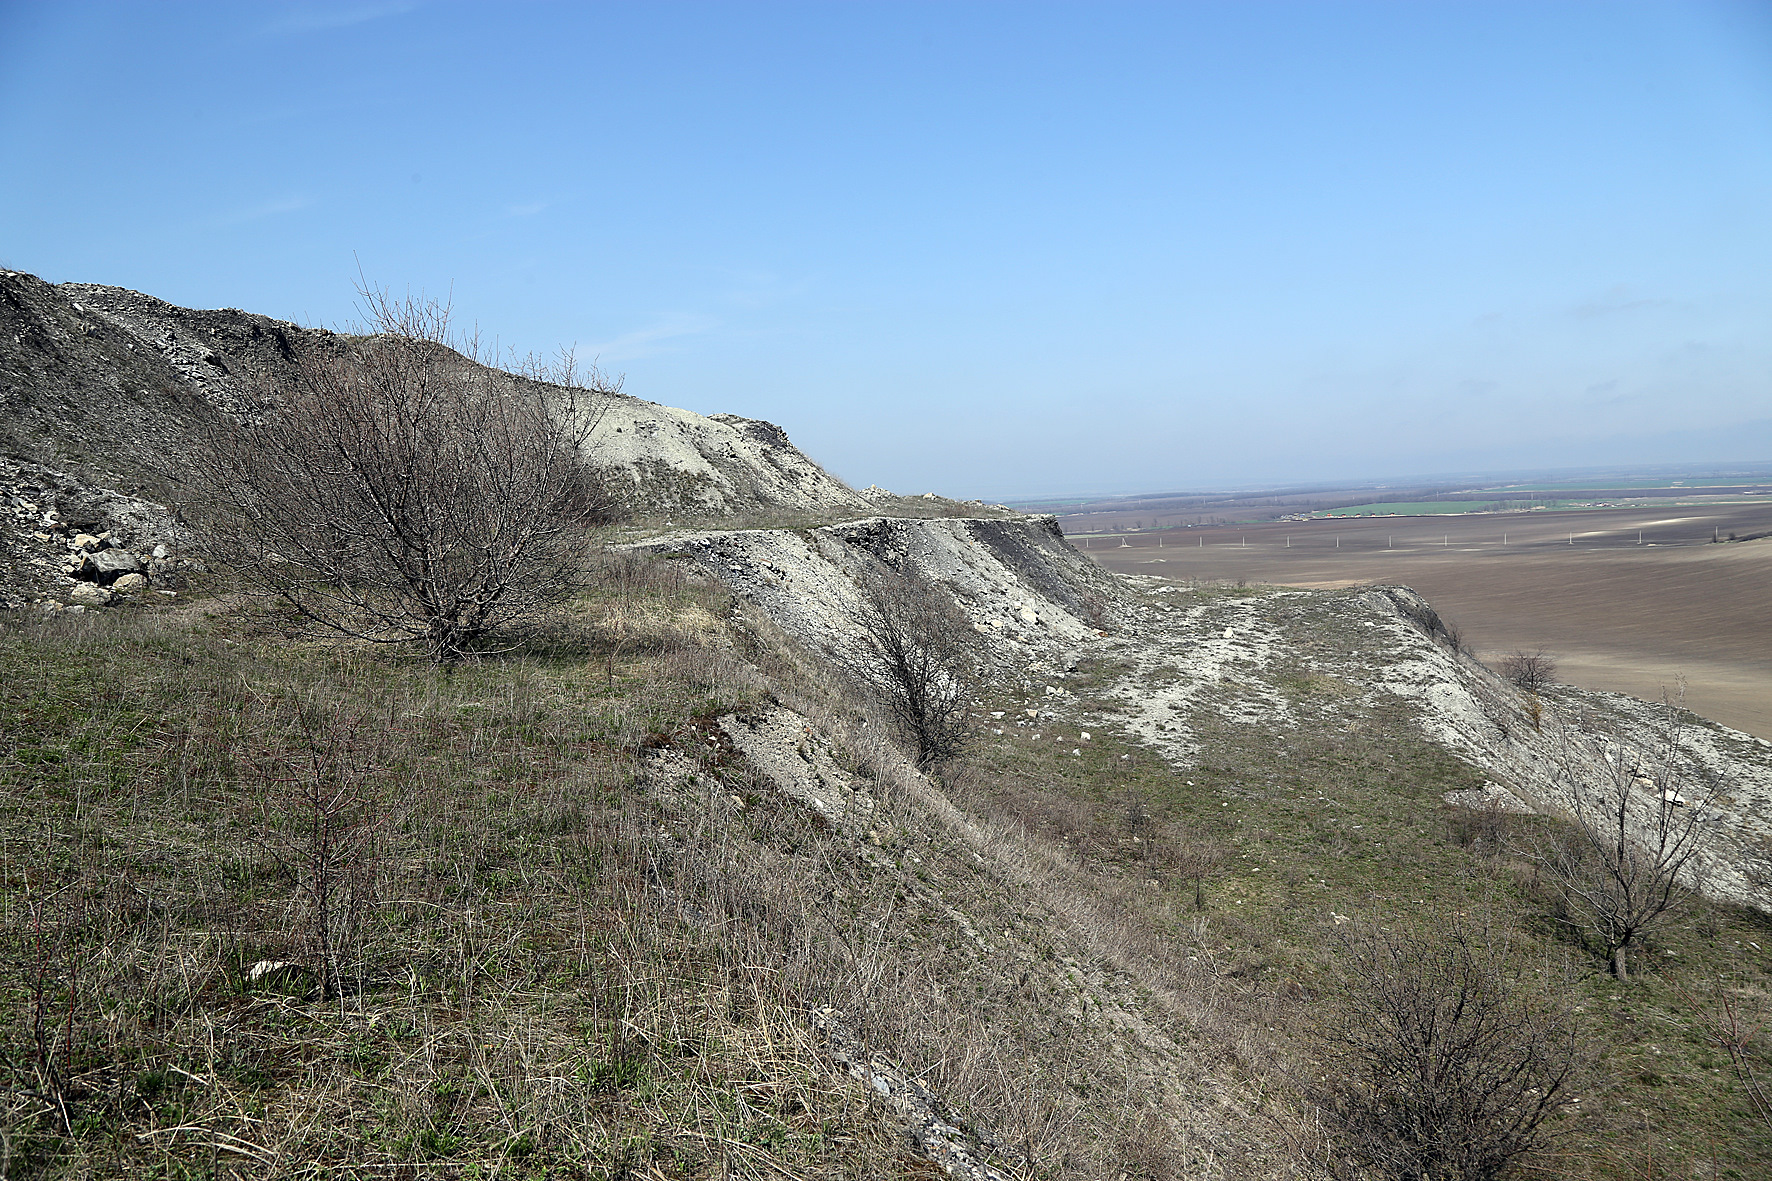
[1617, 613]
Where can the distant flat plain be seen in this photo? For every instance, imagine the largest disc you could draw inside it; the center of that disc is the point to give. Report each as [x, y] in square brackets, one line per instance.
[1617, 613]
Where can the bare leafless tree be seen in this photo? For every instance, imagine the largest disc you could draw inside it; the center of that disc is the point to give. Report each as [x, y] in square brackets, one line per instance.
[400, 490]
[1440, 1063]
[1432, 624]
[918, 655]
[1631, 859]
[1532, 671]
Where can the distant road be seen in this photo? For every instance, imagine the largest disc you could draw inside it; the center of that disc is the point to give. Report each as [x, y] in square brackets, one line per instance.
[1626, 599]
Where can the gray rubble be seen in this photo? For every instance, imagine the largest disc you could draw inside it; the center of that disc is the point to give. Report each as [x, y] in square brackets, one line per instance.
[59, 534]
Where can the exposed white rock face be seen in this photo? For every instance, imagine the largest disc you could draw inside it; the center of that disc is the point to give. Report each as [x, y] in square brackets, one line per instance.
[1024, 587]
[797, 762]
[1239, 657]
[1577, 740]
[677, 461]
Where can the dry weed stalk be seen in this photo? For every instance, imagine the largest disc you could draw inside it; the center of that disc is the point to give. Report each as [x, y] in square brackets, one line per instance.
[1733, 1030]
[1195, 861]
[54, 991]
[325, 822]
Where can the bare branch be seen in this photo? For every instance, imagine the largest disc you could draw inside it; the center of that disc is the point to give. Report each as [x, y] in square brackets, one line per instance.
[1533, 672]
[401, 491]
[919, 657]
[1632, 859]
[1442, 1062]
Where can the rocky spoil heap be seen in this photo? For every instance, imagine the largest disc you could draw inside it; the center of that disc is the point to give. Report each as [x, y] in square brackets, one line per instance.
[108, 385]
[680, 463]
[104, 388]
[66, 543]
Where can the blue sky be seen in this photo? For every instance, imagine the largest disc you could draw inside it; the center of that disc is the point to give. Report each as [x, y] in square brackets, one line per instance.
[989, 249]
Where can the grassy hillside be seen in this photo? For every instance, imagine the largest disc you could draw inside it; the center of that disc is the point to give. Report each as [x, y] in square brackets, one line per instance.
[276, 907]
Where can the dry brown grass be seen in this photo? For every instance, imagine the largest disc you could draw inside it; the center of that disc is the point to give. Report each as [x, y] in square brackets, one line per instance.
[541, 947]
[531, 963]
[583, 936]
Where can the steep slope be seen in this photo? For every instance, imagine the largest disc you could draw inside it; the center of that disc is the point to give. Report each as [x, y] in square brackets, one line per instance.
[1193, 798]
[1018, 580]
[84, 394]
[1254, 659]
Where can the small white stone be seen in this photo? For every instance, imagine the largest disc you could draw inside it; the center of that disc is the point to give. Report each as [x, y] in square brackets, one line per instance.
[264, 968]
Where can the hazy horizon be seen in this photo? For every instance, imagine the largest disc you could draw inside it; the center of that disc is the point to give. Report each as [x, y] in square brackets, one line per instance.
[985, 250]
[1720, 469]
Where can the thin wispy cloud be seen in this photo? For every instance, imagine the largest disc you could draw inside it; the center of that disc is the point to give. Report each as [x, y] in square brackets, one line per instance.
[649, 341]
[528, 209]
[756, 290]
[266, 209]
[1613, 302]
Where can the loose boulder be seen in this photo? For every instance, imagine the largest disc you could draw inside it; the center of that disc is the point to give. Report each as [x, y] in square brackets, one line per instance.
[88, 594]
[108, 565]
[130, 584]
